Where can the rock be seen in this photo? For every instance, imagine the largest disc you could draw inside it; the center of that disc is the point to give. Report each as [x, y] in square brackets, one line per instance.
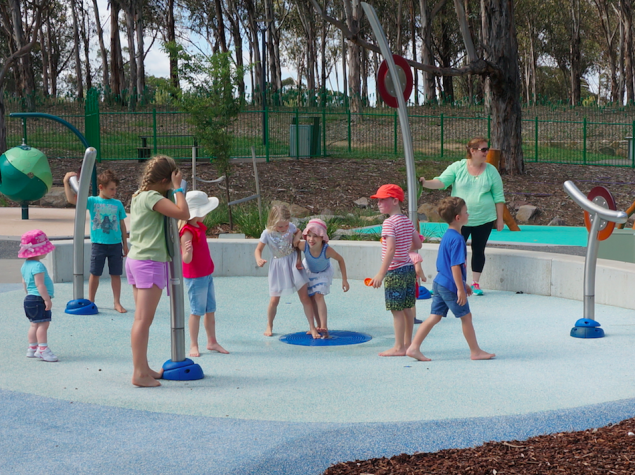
[606, 151]
[326, 212]
[298, 211]
[525, 213]
[372, 219]
[422, 217]
[431, 213]
[362, 202]
[557, 222]
[280, 203]
[55, 198]
[517, 204]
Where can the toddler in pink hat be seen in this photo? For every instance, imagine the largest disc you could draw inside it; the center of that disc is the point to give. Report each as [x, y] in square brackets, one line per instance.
[39, 289]
[317, 255]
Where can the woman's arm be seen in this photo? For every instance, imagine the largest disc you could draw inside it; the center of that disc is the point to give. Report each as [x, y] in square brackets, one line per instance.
[332, 254]
[500, 223]
[186, 247]
[432, 184]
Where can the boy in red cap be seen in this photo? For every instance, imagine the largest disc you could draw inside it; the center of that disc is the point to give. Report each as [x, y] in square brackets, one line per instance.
[399, 236]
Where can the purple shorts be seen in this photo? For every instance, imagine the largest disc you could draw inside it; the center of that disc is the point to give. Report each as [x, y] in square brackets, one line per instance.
[145, 274]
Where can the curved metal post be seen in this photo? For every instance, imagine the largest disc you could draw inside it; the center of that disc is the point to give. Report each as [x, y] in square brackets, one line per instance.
[599, 213]
[80, 223]
[403, 112]
[177, 302]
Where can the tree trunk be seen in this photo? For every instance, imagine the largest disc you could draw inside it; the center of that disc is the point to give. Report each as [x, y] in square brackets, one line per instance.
[86, 43]
[3, 128]
[171, 34]
[487, 92]
[220, 26]
[51, 65]
[132, 54]
[413, 36]
[234, 23]
[354, 59]
[102, 48]
[255, 50]
[620, 83]
[427, 57]
[506, 112]
[323, 60]
[27, 80]
[76, 49]
[141, 69]
[575, 58]
[45, 63]
[115, 73]
[627, 18]
[397, 48]
[344, 72]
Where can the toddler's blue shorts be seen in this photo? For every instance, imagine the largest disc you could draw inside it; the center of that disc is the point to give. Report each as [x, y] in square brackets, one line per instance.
[34, 308]
[444, 299]
[201, 295]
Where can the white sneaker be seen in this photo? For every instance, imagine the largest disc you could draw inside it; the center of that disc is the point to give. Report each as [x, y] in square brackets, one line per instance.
[45, 355]
[30, 352]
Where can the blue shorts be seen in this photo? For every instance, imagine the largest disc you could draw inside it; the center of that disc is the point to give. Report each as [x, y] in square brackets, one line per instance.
[98, 255]
[34, 309]
[444, 300]
[201, 294]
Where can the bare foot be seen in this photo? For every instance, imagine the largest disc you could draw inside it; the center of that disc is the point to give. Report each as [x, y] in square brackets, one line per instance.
[120, 309]
[325, 330]
[315, 334]
[145, 382]
[194, 351]
[217, 347]
[268, 331]
[157, 374]
[482, 355]
[394, 352]
[417, 355]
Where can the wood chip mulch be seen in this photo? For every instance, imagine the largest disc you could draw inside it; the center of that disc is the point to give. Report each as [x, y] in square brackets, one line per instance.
[607, 450]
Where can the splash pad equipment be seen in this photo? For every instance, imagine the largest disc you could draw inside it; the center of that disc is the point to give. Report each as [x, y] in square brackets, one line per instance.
[600, 216]
[334, 338]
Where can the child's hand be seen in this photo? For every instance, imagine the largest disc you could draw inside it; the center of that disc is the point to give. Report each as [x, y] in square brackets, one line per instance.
[377, 280]
[125, 249]
[469, 290]
[462, 297]
[187, 247]
[68, 176]
[177, 176]
[423, 278]
[260, 262]
[345, 285]
[298, 265]
[48, 304]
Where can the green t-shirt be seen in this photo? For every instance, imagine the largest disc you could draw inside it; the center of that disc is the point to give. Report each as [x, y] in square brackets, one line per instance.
[481, 193]
[147, 236]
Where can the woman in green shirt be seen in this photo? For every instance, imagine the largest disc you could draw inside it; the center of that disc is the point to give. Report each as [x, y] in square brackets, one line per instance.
[480, 185]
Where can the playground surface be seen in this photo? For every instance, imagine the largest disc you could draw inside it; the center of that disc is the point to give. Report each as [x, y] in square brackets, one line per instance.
[269, 407]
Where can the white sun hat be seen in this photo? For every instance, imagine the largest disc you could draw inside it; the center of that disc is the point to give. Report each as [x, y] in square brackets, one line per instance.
[200, 204]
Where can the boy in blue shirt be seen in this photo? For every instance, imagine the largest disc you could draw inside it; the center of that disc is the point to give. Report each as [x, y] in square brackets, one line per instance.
[107, 232]
[450, 290]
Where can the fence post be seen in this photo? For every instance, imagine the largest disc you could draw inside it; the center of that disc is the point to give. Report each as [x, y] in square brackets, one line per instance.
[584, 141]
[442, 134]
[394, 128]
[297, 134]
[536, 140]
[323, 124]
[154, 129]
[348, 114]
[267, 134]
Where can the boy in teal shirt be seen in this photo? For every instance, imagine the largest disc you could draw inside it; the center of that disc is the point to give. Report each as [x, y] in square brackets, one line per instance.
[107, 232]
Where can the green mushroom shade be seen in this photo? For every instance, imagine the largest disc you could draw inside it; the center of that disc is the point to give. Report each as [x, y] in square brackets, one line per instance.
[25, 174]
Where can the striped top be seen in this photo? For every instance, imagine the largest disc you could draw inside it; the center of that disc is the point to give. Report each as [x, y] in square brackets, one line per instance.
[400, 227]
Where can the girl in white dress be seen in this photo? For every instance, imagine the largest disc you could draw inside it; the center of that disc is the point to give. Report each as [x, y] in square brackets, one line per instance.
[284, 276]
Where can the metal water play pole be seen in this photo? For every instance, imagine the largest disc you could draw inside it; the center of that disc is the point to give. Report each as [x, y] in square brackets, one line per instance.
[598, 215]
[79, 305]
[402, 111]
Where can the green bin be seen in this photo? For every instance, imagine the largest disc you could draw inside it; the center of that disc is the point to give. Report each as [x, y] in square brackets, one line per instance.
[304, 139]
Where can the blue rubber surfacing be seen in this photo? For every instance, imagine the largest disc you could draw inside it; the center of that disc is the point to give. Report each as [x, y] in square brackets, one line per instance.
[334, 338]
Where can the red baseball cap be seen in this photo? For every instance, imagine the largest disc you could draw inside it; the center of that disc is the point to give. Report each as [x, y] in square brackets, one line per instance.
[389, 191]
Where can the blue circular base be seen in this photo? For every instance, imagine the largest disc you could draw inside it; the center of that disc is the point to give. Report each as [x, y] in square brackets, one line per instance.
[335, 338]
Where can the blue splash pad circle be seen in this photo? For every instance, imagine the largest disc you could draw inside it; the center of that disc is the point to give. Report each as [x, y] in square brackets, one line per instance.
[335, 338]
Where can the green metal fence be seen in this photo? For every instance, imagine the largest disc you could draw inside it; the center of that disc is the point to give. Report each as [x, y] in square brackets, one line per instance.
[324, 132]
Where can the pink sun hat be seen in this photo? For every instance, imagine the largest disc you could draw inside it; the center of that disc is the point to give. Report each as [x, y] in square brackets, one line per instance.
[316, 226]
[34, 243]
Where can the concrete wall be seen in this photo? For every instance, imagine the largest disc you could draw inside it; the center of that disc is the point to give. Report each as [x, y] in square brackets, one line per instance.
[511, 270]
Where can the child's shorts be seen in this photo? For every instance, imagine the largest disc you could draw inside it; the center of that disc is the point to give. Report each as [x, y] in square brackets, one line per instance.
[34, 308]
[145, 274]
[398, 288]
[98, 255]
[444, 299]
[201, 294]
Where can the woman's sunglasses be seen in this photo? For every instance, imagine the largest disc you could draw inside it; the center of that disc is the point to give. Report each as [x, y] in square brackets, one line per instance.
[484, 149]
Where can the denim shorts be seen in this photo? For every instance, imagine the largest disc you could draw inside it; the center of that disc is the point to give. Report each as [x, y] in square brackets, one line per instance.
[98, 255]
[143, 274]
[201, 294]
[399, 289]
[444, 300]
[34, 309]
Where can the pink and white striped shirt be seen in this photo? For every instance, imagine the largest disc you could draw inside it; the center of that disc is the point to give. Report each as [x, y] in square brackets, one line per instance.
[401, 228]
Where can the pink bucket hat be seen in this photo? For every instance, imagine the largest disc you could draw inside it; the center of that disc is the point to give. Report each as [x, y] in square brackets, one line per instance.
[316, 226]
[34, 243]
